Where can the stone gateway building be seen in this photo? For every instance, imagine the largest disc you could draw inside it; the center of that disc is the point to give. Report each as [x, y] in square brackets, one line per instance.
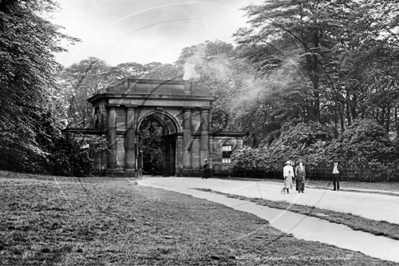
[185, 115]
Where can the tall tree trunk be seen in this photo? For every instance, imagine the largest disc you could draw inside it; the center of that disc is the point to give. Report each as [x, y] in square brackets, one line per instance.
[254, 140]
[396, 121]
[348, 107]
[354, 106]
[336, 121]
[313, 68]
[341, 116]
[388, 124]
[316, 79]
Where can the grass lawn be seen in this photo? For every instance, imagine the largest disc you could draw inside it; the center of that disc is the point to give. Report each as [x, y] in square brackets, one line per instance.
[48, 220]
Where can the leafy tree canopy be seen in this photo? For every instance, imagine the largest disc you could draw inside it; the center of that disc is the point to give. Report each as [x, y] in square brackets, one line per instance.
[28, 70]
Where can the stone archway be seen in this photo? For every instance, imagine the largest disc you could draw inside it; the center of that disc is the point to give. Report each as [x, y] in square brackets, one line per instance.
[183, 110]
[170, 130]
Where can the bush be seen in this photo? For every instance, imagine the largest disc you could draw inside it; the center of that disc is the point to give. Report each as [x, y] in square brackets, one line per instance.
[364, 145]
[72, 154]
[364, 148]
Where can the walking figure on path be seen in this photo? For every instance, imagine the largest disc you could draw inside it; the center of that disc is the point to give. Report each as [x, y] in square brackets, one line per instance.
[300, 173]
[288, 173]
[336, 173]
[207, 171]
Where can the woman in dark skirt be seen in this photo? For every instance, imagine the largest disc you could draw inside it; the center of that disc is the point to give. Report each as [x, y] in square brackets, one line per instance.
[207, 171]
[300, 173]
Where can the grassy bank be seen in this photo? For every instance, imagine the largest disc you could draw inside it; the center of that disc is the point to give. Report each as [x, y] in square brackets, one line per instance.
[105, 221]
[356, 222]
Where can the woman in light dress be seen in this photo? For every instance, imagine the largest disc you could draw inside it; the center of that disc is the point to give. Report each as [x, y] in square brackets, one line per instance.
[288, 173]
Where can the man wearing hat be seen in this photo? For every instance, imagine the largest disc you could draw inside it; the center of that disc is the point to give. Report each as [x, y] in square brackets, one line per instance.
[207, 171]
[288, 173]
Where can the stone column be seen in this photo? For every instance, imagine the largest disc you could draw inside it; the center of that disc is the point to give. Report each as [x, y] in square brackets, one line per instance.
[130, 141]
[111, 163]
[179, 155]
[187, 139]
[210, 152]
[210, 146]
[204, 142]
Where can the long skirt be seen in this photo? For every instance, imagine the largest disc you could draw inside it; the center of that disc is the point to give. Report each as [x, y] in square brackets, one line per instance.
[300, 185]
[207, 173]
[288, 182]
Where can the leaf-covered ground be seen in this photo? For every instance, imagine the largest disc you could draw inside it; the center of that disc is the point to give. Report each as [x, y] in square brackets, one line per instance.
[105, 221]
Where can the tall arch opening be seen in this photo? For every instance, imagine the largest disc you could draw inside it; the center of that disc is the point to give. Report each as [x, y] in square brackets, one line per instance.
[157, 135]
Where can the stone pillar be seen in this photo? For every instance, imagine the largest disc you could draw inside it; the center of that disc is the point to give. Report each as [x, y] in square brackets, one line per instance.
[210, 152]
[210, 146]
[137, 151]
[130, 141]
[187, 140]
[217, 153]
[111, 163]
[204, 142]
[179, 155]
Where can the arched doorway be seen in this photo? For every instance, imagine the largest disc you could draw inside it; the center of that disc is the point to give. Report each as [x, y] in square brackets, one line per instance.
[157, 135]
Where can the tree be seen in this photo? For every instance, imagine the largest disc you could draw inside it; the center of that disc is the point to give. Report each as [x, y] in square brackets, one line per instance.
[79, 82]
[328, 42]
[211, 65]
[365, 147]
[214, 66]
[163, 71]
[27, 74]
[289, 30]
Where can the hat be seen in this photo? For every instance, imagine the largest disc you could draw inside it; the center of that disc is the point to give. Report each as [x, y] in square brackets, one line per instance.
[206, 160]
[288, 162]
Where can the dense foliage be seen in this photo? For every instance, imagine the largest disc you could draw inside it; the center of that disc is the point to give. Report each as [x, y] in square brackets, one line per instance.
[73, 154]
[152, 145]
[298, 140]
[363, 149]
[27, 81]
[328, 63]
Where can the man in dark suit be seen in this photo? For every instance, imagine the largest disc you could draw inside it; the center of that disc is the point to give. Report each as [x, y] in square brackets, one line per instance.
[207, 171]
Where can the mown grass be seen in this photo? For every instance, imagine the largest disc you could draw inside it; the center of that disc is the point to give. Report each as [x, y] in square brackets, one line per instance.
[356, 222]
[105, 221]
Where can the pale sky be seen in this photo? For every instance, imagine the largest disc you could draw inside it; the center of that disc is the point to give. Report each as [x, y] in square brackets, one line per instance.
[144, 31]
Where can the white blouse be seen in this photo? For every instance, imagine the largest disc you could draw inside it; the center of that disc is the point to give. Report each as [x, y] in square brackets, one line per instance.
[288, 171]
